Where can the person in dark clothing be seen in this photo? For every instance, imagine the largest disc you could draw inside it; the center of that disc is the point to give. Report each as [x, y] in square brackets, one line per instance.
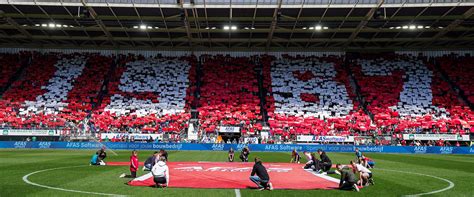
[295, 157]
[260, 176]
[314, 164]
[150, 161]
[348, 179]
[163, 153]
[231, 155]
[244, 154]
[101, 154]
[325, 164]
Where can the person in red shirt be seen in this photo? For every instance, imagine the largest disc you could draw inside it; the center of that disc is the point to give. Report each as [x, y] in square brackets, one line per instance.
[134, 164]
[440, 142]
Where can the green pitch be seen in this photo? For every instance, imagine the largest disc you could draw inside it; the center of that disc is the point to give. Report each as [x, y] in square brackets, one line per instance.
[14, 164]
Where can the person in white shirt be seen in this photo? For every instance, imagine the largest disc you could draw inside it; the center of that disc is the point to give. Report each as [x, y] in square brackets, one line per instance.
[365, 175]
[161, 173]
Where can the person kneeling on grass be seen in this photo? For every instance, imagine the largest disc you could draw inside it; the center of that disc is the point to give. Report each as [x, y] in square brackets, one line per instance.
[150, 162]
[308, 159]
[368, 162]
[348, 178]
[365, 175]
[325, 163]
[96, 161]
[295, 157]
[244, 154]
[313, 163]
[231, 155]
[163, 153]
[102, 154]
[161, 173]
[260, 176]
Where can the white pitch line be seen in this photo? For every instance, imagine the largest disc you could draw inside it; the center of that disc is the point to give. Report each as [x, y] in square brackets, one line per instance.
[451, 184]
[25, 179]
[237, 193]
[332, 179]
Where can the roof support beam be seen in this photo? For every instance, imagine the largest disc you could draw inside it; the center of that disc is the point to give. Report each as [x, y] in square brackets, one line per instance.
[322, 4]
[364, 22]
[249, 44]
[264, 40]
[320, 19]
[226, 19]
[18, 27]
[258, 30]
[99, 22]
[296, 22]
[274, 24]
[452, 25]
[186, 23]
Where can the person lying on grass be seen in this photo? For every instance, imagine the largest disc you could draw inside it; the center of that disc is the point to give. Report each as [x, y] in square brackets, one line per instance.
[260, 176]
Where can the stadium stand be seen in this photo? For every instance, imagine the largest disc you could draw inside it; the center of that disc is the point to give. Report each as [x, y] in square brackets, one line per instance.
[311, 96]
[300, 95]
[9, 65]
[229, 94]
[151, 94]
[55, 89]
[459, 70]
[403, 93]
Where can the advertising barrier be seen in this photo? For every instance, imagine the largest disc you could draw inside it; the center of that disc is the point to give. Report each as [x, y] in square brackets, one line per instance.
[322, 138]
[224, 147]
[136, 136]
[445, 137]
[29, 132]
[229, 129]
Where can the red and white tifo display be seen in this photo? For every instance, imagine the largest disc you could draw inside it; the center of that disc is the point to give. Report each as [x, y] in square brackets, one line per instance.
[236, 176]
[303, 95]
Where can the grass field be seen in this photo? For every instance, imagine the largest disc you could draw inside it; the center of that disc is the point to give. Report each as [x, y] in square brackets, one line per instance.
[15, 164]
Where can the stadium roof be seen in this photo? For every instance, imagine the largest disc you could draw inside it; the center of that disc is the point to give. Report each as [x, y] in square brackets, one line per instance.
[239, 24]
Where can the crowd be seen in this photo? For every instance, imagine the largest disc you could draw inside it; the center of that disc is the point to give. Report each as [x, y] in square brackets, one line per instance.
[384, 95]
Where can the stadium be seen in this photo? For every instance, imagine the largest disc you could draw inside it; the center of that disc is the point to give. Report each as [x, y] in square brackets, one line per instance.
[236, 98]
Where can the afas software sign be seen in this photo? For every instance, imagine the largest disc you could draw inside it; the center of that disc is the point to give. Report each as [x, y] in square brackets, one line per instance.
[445, 137]
[30, 132]
[315, 138]
[136, 136]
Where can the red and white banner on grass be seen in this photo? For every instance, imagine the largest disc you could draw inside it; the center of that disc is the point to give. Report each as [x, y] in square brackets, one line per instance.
[236, 176]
